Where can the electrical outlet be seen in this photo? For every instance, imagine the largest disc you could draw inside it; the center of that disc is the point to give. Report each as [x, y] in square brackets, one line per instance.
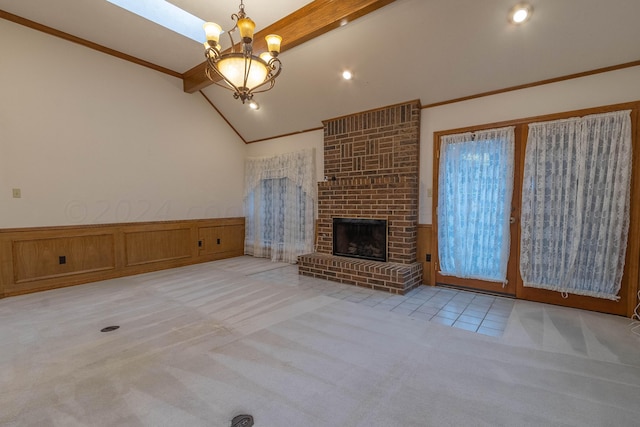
[428, 258]
[62, 259]
[17, 193]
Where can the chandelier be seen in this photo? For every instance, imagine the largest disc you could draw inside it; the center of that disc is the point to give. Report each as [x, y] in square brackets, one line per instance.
[243, 72]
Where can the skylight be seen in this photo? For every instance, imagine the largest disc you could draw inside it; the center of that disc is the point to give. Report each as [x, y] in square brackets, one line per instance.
[166, 14]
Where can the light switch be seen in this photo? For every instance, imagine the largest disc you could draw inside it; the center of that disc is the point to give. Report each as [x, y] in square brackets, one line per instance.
[429, 192]
[17, 193]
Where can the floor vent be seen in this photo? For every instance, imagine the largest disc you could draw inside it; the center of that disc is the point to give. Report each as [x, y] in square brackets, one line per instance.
[242, 421]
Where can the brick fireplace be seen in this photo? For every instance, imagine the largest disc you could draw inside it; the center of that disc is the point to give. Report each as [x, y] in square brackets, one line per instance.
[372, 172]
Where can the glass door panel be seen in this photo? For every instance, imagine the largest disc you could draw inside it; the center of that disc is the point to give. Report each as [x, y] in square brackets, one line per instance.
[475, 213]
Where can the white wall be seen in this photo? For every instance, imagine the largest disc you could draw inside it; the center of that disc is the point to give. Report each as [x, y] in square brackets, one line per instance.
[90, 138]
[290, 144]
[592, 91]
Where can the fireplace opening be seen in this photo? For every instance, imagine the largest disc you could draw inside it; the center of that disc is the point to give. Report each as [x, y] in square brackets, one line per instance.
[360, 238]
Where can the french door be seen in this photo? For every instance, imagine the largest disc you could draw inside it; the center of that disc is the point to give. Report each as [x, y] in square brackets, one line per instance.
[581, 251]
[476, 209]
[470, 190]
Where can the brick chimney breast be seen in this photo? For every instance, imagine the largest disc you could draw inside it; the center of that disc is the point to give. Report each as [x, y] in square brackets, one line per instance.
[372, 164]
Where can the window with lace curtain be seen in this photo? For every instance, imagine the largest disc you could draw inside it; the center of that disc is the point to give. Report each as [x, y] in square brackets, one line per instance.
[279, 204]
[474, 196]
[275, 204]
[575, 204]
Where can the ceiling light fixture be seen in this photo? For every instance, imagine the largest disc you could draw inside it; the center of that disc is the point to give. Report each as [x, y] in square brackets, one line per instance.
[520, 13]
[347, 75]
[243, 72]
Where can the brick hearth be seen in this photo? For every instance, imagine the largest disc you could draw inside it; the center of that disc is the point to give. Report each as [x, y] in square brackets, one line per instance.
[372, 166]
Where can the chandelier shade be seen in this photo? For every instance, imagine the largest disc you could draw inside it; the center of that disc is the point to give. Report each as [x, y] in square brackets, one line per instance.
[241, 71]
[233, 68]
[246, 27]
[212, 31]
[273, 42]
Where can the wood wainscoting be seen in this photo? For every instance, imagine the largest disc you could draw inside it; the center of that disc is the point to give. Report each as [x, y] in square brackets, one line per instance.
[424, 252]
[42, 258]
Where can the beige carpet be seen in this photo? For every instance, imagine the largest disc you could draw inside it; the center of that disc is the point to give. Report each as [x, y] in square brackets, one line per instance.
[200, 344]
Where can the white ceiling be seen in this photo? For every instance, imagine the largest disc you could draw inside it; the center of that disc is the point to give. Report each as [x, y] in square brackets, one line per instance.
[431, 50]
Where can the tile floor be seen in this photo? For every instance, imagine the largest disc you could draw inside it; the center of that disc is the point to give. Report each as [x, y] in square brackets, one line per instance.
[481, 313]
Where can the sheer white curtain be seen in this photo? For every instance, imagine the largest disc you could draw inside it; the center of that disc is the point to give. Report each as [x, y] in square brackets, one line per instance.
[575, 204]
[475, 187]
[279, 204]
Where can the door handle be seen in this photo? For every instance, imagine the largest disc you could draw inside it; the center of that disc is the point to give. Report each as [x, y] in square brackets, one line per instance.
[512, 220]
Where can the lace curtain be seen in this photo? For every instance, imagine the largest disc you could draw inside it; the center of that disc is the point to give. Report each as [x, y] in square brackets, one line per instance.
[575, 204]
[279, 205]
[475, 186]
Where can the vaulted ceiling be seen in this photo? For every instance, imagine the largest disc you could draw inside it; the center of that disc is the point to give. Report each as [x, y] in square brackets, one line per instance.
[398, 50]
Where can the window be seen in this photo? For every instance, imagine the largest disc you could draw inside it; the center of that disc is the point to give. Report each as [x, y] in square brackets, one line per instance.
[280, 206]
[167, 15]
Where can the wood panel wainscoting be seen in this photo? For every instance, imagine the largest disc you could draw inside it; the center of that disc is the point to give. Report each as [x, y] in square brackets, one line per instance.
[43, 258]
[424, 252]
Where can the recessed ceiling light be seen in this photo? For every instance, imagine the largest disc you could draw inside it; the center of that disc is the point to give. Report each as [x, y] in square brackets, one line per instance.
[347, 75]
[520, 13]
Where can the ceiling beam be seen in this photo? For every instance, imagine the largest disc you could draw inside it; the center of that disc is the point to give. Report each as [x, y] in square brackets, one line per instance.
[310, 21]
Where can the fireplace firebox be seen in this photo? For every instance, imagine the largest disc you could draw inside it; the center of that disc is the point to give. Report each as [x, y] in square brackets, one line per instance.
[360, 238]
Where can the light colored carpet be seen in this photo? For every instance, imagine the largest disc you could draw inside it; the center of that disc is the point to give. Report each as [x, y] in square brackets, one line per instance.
[200, 344]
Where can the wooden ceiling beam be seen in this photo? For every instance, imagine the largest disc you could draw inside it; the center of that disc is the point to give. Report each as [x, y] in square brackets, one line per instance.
[310, 21]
